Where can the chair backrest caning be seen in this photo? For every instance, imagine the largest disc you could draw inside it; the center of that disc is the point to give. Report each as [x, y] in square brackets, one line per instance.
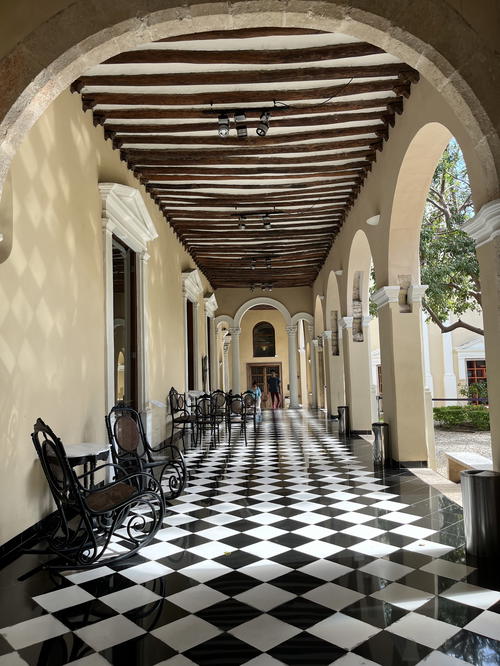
[177, 401]
[58, 471]
[126, 432]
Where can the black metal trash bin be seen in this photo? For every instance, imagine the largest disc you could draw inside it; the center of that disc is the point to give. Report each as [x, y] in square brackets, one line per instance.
[381, 444]
[344, 423]
[481, 501]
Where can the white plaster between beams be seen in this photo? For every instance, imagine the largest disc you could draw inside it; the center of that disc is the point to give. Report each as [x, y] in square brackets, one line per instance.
[485, 226]
[385, 295]
[191, 285]
[211, 304]
[125, 214]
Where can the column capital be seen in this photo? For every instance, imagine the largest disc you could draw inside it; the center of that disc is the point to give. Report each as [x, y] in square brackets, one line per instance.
[291, 330]
[235, 330]
[327, 335]
[416, 292]
[315, 342]
[366, 320]
[485, 226]
[346, 322]
[144, 257]
[385, 295]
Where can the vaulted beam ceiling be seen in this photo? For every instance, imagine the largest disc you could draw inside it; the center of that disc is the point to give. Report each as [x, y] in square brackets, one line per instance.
[258, 209]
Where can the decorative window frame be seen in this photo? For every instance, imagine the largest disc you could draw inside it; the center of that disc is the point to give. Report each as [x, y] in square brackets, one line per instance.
[124, 215]
[192, 290]
[469, 351]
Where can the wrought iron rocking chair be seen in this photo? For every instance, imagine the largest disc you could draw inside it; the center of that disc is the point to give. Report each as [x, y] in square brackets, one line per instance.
[130, 507]
[132, 451]
[181, 417]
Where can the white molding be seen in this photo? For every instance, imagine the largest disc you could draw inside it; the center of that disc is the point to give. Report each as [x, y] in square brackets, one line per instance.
[210, 305]
[346, 322]
[262, 300]
[485, 226]
[385, 295]
[125, 214]
[327, 335]
[373, 220]
[302, 316]
[366, 320]
[192, 285]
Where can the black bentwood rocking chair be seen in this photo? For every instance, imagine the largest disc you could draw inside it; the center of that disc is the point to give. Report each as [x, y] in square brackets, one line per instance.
[131, 450]
[129, 508]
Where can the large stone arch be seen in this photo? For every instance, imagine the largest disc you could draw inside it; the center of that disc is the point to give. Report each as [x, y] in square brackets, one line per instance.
[262, 300]
[319, 315]
[46, 57]
[358, 270]
[410, 194]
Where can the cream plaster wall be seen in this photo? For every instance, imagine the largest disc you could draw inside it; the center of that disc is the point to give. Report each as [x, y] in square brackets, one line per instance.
[52, 302]
[250, 319]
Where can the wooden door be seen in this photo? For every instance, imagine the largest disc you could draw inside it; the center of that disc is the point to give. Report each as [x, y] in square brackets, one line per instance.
[259, 372]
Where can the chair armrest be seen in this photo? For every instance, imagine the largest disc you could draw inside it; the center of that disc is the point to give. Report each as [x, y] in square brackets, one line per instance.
[99, 467]
[143, 480]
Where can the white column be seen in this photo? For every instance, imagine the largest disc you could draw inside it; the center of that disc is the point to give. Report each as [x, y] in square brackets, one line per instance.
[450, 379]
[225, 367]
[235, 342]
[292, 366]
[328, 364]
[429, 382]
[314, 373]
[485, 230]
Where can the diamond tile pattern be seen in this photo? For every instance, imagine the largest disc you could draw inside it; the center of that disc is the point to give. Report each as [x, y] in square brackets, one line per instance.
[290, 550]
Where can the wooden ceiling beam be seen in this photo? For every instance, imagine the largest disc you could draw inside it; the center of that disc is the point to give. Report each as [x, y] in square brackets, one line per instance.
[246, 57]
[392, 104]
[266, 205]
[173, 157]
[237, 99]
[240, 77]
[158, 174]
[254, 141]
[242, 33]
[316, 120]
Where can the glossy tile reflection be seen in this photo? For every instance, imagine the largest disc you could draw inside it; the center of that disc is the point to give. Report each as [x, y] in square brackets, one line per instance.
[289, 550]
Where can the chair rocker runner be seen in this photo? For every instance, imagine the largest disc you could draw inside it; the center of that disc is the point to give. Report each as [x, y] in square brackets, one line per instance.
[130, 508]
[131, 449]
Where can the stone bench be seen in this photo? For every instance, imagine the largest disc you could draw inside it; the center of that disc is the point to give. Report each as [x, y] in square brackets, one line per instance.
[460, 460]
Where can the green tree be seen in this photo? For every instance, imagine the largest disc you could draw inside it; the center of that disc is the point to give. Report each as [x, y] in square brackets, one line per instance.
[448, 262]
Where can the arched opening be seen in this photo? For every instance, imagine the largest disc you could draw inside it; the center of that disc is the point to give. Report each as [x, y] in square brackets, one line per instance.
[336, 383]
[264, 339]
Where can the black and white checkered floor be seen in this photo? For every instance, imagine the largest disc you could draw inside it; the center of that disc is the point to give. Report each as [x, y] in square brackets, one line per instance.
[287, 551]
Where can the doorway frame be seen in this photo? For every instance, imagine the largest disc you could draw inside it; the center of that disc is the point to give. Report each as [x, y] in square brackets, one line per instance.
[124, 215]
[264, 365]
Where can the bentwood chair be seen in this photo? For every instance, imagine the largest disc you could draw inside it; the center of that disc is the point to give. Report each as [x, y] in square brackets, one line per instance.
[236, 416]
[250, 403]
[131, 449]
[129, 508]
[182, 418]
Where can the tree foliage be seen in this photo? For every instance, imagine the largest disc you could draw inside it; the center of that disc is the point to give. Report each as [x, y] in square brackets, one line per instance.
[448, 260]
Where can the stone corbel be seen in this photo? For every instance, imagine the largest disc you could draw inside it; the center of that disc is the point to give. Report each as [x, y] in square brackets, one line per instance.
[416, 292]
[385, 295]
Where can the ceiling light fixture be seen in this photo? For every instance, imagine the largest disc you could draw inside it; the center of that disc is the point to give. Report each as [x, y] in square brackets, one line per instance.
[241, 129]
[263, 126]
[223, 128]
[242, 225]
[267, 224]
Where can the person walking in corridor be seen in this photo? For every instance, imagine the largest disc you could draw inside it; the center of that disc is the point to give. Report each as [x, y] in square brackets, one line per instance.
[274, 387]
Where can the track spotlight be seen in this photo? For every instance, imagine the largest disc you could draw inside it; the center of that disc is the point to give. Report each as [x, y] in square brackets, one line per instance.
[267, 224]
[241, 129]
[263, 126]
[223, 128]
[242, 226]
[253, 264]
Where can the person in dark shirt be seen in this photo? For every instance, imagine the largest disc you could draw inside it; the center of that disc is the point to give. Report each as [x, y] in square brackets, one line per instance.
[273, 385]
